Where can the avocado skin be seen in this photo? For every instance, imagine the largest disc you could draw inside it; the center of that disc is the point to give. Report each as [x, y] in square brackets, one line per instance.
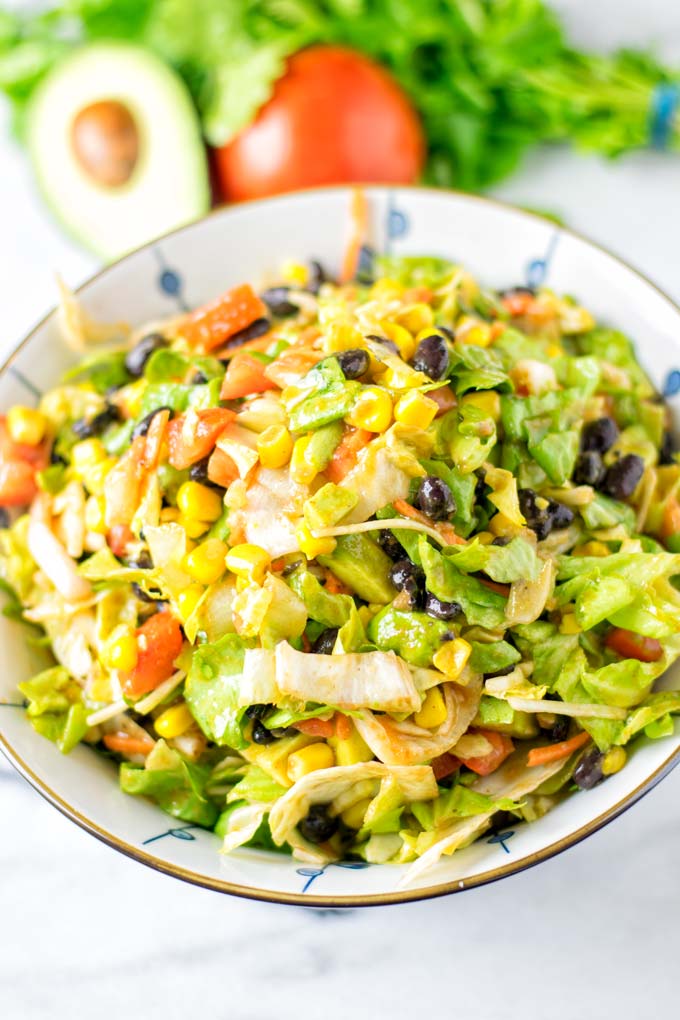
[362, 565]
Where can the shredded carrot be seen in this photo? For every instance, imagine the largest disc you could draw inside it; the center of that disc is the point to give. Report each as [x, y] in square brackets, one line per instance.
[316, 727]
[500, 589]
[346, 452]
[554, 752]
[124, 744]
[343, 726]
[359, 216]
[334, 585]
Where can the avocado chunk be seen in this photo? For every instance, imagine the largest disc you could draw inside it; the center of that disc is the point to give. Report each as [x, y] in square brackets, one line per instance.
[414, 636]
[362, 565]
[116, 147]
[495, 714]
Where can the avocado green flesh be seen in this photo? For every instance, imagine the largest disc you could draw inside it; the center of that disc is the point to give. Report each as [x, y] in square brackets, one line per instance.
[362, 565]
[522, 727]
[169, 184]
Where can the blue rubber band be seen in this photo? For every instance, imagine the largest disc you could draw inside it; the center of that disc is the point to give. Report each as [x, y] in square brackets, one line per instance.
[664, 104]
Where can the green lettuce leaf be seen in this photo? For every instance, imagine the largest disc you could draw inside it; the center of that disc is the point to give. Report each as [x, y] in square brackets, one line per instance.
[654, 709]
[176, 785]
[482, 607]
[55, 707]
[329, 610]
[211, 689]
[491, 658]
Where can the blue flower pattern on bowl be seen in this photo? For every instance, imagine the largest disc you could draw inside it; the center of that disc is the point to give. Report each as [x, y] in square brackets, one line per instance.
[312, 874]
[170, 281]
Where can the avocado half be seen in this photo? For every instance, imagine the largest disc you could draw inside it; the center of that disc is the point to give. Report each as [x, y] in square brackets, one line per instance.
[117, 149]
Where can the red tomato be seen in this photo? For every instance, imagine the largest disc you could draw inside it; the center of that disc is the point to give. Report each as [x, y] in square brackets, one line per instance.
[119, 537]
[188, 445]
[445, 765]
[17, 483]
[245, 374]
[487, 763]
[221, 468]
[335, 117]
[160, 642]
[212, 324]
[634, 646]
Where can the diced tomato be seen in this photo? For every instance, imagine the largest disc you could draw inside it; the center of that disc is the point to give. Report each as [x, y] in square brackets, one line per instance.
[445, 765]
[417, 295]
[118, 538]
[445, 399]
[343, 726]
[9, 450]
[17, 483]
[291, 365]
[245, 375]
[124, 744]
[518, 303]
[212, 324]
[346, 452]
[192, 440]
[316, 727]
[221, 468]
[501, 745]
[634, 646]
[159, 641]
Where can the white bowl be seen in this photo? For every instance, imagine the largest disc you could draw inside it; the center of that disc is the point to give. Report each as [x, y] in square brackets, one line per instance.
[503, 247]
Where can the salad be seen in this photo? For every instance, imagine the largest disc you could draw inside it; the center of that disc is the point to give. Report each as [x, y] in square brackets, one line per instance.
[350, 569]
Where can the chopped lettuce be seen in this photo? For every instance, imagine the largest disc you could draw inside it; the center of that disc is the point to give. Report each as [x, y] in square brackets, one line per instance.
[212, 689]
[177, 785]
[656, 708]
[329, 610]
[482, 607]
[494, 657]
[322, 396]
[463, 491]
[457, 802]
[55, 707]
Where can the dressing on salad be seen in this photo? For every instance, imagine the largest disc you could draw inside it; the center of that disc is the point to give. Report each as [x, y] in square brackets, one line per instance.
[350, 569]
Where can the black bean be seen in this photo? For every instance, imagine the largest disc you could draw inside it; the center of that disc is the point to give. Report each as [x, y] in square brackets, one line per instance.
[142, 562]
[447, 332]
[623, 476]
[85, 428]
[480, 486]
[404, 572]
[257, 328]
[389, 344]
[56, 458]
[198, 472]
[317, 276]
[432, 357]
[143, 426]
[537, 516]
[588, 772]
[668, 449]
[502, 540]
[325, 643]
[561, 515]
[589, 468]
[137, 357]
[257, 711]
[435, 498]
[389, 544]
[4, 517]
[141, 594]
[318, 826]
[560, 730]
[260, 734]
[441, 610]
[198, 379]
[354, 363]
[411, 595]
[290, 568]
[276, 300]
[599, 435]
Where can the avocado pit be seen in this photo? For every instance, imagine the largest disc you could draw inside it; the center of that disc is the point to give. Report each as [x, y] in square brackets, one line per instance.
[105, 141]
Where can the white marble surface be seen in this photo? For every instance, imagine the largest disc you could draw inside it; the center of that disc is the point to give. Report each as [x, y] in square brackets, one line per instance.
[593, 933]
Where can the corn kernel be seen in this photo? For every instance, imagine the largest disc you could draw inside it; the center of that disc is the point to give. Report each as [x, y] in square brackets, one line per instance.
[500, 526]
[569, 624]
[85, 455]
[554, 350]
[26, 425]
[309, 759]
[206, 563]
[592, 549]
[340, 336]
[174, 721]
[96, 476]
[169, 515]
[188, 599]
[311, 546]
[415, 409]
[433, 710]
[95, 515]
[120, 650]
[372, 411]
[365, 615]
[452, 657]
[484, 537]
[353, 816]
[274, 446]
[613, 761]
[193, 528]
[301, 471]
[487, 401]
[295, 272]
[474, 332]
[417, 317]
[198, 501]
[351, 750]
[430, 331]
[400, 336]
[248, 561]
[386, 289]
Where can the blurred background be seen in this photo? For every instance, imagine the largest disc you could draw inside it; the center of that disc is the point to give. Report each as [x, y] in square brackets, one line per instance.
[122, 119]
